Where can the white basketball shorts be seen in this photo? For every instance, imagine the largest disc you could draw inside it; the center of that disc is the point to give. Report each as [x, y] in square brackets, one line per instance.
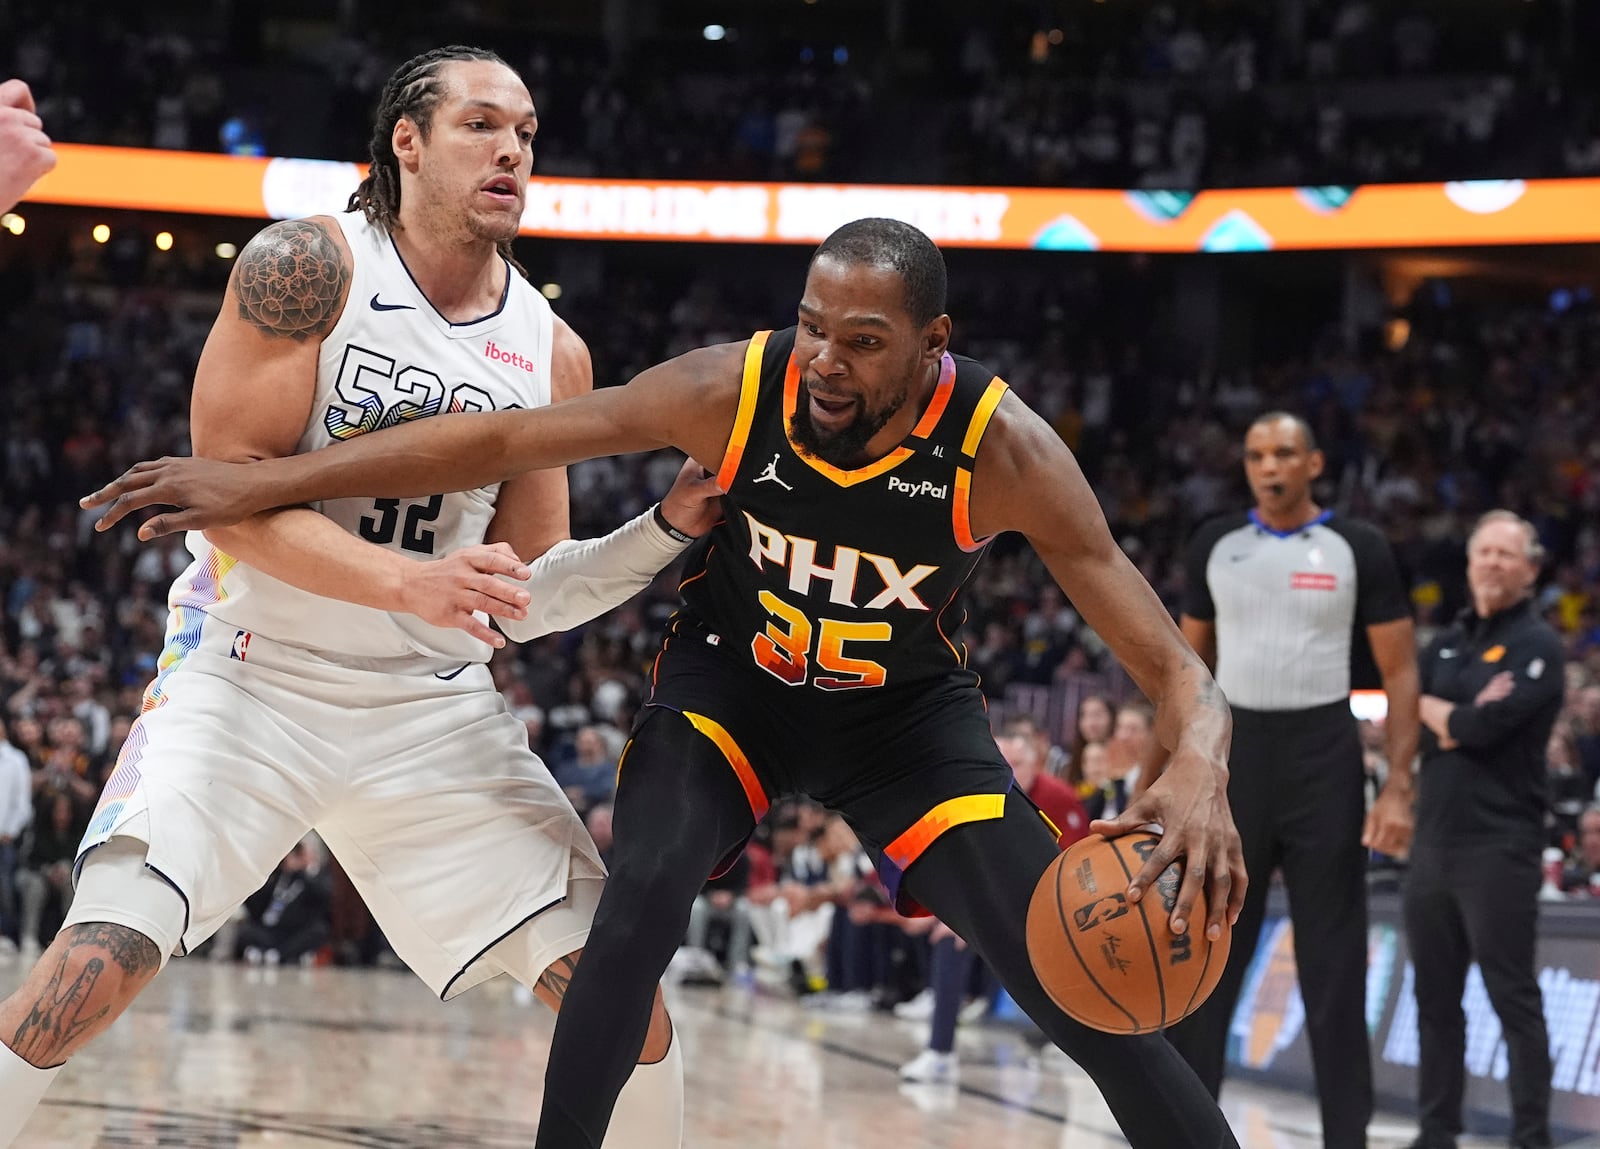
[418, 778]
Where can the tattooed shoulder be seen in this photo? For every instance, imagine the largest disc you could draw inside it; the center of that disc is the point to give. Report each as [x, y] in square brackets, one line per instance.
[291, 280]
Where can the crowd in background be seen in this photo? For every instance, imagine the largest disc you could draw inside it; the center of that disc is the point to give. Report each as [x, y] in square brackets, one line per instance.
[1140, 93]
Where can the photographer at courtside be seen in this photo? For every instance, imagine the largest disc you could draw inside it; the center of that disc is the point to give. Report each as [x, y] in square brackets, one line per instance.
[1492, 686]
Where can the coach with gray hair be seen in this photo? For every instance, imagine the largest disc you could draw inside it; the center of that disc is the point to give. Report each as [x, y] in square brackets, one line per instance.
[1492, 686]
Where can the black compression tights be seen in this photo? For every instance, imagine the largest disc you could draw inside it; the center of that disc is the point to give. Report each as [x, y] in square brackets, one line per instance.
[978, 879]
[679, 809]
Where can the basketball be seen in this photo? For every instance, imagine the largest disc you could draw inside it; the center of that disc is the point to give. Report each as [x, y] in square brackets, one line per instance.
[1113, 965]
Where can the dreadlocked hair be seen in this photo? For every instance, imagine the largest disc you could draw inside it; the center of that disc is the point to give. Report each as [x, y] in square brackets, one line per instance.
[413, 91]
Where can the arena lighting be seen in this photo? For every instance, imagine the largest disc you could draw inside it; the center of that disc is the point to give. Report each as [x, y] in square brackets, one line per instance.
[1375, 216]
[713, 31]
[551, 291]
[13, 223]
[101, 233]
[163, 241]
[226, 251]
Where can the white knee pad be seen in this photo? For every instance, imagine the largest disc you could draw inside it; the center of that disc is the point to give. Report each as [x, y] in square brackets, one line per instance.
[115, 886]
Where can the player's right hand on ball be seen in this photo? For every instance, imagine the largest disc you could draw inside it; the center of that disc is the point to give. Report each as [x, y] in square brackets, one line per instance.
[453, 590]
[1190, 803]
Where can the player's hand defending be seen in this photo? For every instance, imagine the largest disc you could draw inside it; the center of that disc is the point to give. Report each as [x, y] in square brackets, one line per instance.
[694, 504]
[205, 492]
[25, 153]
[1190, 802]
[449, 591]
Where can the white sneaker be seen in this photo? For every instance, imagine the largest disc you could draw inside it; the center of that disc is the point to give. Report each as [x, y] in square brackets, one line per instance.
[30, 950]
[974, 1011]
[932, 1068]
[8, 950]
[919, 1008]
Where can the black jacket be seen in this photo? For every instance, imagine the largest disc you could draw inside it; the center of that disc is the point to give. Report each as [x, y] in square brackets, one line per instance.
[1492, 787]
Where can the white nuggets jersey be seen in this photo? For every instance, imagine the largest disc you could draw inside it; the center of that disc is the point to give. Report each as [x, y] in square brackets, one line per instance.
[390, 358]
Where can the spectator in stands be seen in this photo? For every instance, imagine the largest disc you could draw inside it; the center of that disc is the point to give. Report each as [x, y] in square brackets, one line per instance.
[45, 881]
[1583, 874]
[16, 811]
[289, 917]
[591, 776]
[1586, 735]
[598, 823]
[1093, 725]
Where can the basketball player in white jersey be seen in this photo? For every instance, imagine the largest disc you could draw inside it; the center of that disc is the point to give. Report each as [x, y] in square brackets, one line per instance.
[327, 667]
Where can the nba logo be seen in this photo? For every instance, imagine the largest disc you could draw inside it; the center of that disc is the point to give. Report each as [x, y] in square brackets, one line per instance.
[241, 645]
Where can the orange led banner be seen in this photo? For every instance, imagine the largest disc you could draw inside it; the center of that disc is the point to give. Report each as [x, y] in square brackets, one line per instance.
[1251, 219]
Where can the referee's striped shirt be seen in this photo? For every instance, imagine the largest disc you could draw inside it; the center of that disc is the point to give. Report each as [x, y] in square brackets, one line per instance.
[1286, 604]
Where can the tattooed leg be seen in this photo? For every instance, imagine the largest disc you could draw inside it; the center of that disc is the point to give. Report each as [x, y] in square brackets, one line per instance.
[551, 988]
[84, 981]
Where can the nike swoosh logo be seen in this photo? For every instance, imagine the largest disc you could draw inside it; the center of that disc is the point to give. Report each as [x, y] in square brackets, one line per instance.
[376, 306]
[1237, 558]
[1447, 654]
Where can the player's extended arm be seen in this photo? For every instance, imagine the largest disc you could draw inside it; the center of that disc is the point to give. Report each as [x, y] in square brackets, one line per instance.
[253, 392]
[573, 580]
[1201, 636]
[1062, 520]
[688, 403]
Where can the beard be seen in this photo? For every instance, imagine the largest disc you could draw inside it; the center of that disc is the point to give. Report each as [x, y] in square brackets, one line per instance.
[844, 449]
[497, 228]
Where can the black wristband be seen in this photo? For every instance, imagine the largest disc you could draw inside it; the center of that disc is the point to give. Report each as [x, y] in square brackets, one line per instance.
[661, 521]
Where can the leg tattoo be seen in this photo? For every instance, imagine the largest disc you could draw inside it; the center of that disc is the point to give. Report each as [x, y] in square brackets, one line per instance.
[68, 1009]
[558, 977]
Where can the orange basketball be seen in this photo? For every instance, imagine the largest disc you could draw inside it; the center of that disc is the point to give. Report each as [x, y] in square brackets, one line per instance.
[1113, 965]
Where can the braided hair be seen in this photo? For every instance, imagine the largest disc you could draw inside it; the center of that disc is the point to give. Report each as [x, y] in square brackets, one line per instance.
[413, 91]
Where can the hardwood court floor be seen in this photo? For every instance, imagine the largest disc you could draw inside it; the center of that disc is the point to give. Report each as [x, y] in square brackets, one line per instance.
[224, 1057]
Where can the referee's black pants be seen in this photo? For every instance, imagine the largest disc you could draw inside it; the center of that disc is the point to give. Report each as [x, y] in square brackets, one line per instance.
[1298, 799]
[1477, 902]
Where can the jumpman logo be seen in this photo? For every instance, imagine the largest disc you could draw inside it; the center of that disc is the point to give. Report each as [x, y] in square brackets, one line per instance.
[770, 475]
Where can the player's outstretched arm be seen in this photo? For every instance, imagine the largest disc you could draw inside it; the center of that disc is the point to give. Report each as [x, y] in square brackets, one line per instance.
[688, 403]
[1027, 480]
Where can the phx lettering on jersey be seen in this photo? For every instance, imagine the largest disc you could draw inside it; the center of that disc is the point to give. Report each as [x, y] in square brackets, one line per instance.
[926, 487]
[799, 557]
[491, 351]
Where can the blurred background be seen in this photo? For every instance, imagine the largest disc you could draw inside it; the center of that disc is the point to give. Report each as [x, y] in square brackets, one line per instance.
[1442, 378]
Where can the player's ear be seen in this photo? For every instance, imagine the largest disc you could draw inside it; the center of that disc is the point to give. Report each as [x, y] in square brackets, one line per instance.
[406, 141]
[936, 337]
[1317, 461]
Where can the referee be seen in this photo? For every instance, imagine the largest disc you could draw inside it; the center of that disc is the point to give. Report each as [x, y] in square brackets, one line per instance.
[1272, 602]
[1494, 683]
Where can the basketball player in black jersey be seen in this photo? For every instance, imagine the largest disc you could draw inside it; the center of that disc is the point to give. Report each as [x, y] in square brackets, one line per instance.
[866, 468]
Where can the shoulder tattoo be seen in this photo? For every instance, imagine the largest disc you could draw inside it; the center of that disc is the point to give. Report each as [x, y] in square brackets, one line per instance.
[291, 280]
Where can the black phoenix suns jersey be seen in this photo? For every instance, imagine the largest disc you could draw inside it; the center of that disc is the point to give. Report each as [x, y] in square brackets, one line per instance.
[835, 580]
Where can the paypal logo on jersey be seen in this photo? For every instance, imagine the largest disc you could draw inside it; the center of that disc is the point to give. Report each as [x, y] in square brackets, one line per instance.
[916, 490]
[500, 353]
